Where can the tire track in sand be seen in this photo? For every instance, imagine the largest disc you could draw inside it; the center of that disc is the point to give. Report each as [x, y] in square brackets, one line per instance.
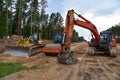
[108, 72]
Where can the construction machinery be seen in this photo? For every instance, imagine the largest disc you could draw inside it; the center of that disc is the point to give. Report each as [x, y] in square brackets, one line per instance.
[102, 42]
[25, 46]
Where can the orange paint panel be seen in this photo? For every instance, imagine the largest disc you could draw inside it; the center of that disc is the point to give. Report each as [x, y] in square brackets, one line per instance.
[114, 43]
[47, 50]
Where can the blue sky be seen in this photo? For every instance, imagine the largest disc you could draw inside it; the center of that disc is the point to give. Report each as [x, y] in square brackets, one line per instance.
[102, 13]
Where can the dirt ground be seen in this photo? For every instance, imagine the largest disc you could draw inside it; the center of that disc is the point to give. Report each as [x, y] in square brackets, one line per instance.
[98, 67]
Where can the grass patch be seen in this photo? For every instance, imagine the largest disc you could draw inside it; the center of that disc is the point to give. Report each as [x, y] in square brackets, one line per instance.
[9, 68]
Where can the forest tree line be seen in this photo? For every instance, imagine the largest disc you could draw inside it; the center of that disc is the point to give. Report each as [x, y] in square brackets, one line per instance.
[25, 17]
[115, 30]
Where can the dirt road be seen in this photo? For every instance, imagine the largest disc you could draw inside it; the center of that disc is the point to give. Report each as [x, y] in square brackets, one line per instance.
[98, 67]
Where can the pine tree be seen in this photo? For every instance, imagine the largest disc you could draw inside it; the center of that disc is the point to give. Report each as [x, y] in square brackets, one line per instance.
[2, 18]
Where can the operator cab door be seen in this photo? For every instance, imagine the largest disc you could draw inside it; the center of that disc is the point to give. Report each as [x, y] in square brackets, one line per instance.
[105, 39]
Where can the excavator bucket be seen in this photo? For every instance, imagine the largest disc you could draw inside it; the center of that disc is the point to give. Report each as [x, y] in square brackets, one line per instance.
[67, 57]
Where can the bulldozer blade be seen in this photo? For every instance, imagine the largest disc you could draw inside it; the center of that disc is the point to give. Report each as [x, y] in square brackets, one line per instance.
[23, 51]
[67, 57]
[17, 51]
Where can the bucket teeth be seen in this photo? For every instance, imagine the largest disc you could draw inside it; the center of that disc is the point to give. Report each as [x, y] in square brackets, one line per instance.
[67, 57]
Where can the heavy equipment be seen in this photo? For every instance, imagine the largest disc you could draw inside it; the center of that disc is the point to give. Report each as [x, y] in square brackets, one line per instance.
[25, 46]
[102, 42]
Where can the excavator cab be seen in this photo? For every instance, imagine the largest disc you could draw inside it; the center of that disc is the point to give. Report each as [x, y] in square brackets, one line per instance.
[105, 39]
[106, 44]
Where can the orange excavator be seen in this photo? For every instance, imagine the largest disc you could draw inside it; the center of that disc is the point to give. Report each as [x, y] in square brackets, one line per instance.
[102, 42]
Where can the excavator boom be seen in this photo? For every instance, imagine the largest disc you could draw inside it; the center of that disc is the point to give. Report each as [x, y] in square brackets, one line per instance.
[91, 27]
[66, 56]
[70, 22]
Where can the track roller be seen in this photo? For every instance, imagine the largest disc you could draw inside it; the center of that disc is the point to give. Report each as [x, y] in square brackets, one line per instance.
[91, 52]
[112, 52]
[67, 57]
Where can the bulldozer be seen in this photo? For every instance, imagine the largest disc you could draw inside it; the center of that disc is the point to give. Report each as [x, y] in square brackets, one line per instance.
[25, 46]
[103, 42]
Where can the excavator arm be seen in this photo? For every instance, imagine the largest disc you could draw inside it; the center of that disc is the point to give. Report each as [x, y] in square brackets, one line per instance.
[66, 56]
[90, 27]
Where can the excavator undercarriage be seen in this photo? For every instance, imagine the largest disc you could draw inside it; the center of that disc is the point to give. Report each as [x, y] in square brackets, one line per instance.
[110, 52]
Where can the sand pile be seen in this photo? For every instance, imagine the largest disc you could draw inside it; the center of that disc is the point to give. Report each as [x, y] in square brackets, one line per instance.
[82, 48]
[9, 41]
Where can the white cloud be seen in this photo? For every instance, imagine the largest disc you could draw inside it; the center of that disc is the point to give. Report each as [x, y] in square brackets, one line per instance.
[103, 14]
[88, 15]
[104, 22]
[101, 22]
